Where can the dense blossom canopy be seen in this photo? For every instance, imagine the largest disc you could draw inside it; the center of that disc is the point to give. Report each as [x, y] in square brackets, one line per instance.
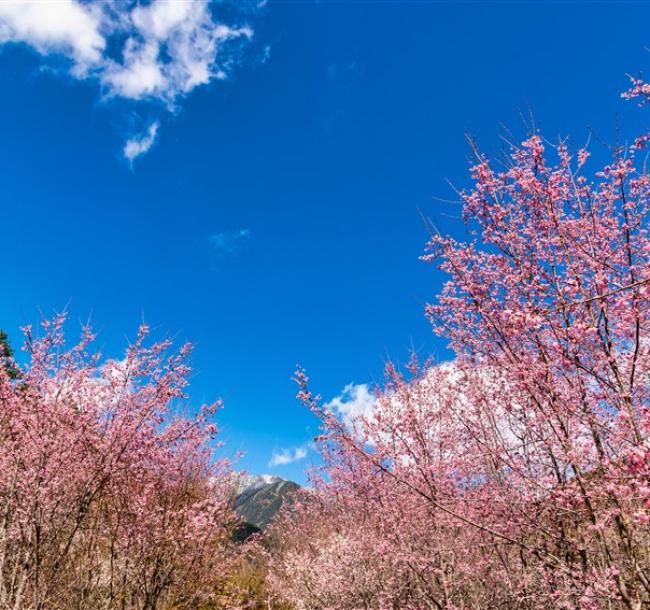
[107, 499]
[517, 476]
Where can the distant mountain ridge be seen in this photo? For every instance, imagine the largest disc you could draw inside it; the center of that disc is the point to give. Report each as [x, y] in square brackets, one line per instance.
[259, 498]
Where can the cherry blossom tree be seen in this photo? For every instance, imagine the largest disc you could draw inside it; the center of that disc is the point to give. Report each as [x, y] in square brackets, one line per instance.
[108, 497]
[517, 476]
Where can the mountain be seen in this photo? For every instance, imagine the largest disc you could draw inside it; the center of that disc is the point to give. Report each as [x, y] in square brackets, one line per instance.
[258, 499]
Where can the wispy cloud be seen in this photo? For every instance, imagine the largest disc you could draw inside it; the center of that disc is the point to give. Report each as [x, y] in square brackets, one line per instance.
[288, 456]
[345, 75]
[158, 51]
[342, 79]
[134, 147]
[229, 242]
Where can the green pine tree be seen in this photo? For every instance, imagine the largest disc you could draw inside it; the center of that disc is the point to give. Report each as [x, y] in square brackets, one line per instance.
[6, 356]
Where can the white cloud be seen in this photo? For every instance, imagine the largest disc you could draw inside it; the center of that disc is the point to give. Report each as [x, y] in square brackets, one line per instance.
[158, 51]
[65, 27]
[229, 242]
[160, 19]
[137, 146]
[140, 75]
[288, 456]
[354, 403]
[188, 38]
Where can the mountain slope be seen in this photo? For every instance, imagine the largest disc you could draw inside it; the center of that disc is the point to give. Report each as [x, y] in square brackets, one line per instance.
[259, 498]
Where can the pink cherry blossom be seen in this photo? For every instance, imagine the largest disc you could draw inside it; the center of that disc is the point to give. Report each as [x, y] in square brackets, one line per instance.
[516, 476]
[109, 499]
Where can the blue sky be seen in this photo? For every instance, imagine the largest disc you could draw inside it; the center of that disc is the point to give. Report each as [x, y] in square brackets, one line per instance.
[272, 214]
